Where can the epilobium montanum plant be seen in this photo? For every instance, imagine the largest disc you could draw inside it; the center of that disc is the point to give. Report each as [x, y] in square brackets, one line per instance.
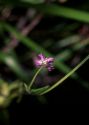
[44, 62]
[40, 62]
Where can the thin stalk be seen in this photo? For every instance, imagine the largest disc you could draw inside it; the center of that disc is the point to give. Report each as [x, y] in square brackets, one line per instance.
[33, 79]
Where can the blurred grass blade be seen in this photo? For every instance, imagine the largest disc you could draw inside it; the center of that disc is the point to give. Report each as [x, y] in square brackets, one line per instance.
[13, 64]
[66, 76]
[33, 1]
[14, 2]
[26, 41]
[52, 9]
[66, 12]
[70, 40]
[67, 53]
[62, 27]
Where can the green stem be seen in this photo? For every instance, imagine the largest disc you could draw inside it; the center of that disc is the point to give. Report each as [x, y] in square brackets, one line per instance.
[31, 83]
[65, 77]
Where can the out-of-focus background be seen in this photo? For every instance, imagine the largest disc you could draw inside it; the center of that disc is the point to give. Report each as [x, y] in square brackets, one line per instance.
[56, 28]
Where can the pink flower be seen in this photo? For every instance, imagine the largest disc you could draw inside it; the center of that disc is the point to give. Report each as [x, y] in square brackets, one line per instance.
[41, 60]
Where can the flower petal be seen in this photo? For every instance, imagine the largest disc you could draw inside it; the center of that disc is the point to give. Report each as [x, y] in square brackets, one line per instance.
[41, 57]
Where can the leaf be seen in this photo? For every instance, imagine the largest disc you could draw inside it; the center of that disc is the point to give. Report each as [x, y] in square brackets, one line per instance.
[39, 90]
[66, 12]
[21, 2]
[51, 9]
[33, 1]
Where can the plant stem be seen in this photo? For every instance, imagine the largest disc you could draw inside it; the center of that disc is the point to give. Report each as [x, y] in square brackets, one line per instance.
[66, 76]
[33, 79]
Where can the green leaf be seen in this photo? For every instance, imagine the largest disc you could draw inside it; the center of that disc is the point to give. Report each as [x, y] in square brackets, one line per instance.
[33, 1]
[51, 9]
[39, 90]
[21, 2]
[66, 12]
